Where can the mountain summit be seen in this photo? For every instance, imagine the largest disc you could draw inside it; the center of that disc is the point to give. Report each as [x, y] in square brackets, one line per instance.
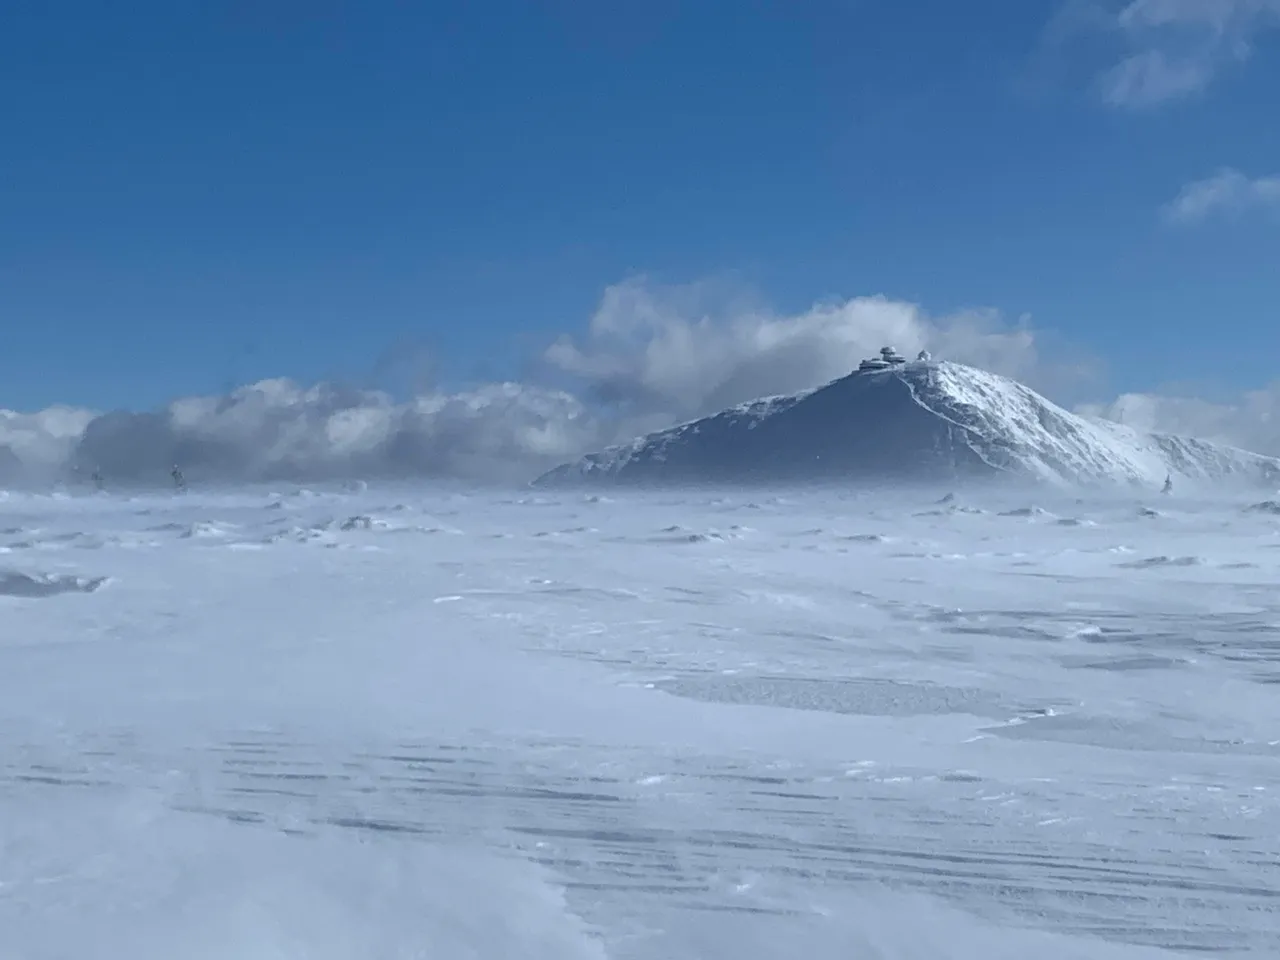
[920, 422]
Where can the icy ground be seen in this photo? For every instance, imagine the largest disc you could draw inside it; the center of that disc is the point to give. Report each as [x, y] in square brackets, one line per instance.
[406, 723]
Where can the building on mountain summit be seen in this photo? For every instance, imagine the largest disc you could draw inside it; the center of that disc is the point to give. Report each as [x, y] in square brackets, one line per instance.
[889, 357]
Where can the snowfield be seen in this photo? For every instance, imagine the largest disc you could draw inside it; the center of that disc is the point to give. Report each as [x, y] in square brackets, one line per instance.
[427, 723]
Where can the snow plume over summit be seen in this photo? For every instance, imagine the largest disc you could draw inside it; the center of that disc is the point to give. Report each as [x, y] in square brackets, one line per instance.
[651, 356]
[686, 352]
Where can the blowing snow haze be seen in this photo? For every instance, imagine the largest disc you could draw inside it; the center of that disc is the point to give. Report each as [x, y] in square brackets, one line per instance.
[653, 357]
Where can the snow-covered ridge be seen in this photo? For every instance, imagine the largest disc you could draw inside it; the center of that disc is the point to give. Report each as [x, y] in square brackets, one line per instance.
[921, 422]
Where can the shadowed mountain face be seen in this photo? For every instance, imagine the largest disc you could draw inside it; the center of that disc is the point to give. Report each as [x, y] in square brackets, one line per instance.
[922, 422]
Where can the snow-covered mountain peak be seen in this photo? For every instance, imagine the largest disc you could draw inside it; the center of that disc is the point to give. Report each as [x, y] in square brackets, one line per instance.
[923, 421]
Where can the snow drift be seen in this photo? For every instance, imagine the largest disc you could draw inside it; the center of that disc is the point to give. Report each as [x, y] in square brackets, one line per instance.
[918, 422]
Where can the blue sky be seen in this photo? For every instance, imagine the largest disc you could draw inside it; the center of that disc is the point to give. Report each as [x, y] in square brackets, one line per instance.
[194, 195]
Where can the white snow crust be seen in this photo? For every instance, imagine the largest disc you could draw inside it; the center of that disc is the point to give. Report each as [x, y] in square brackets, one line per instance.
[920, 422]
[421, 723]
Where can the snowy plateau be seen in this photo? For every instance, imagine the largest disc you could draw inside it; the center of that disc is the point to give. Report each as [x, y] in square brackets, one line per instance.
[920, 422]
[417, 722]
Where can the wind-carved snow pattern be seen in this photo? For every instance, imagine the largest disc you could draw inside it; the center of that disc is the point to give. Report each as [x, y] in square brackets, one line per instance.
[695, 725]
[923, 421]
[14, 583]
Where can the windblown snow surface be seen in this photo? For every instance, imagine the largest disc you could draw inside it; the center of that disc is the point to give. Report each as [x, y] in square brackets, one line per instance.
[429, 724]
[919, 422]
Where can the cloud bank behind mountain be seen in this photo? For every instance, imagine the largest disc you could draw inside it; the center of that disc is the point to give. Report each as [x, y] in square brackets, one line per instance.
[650, 356]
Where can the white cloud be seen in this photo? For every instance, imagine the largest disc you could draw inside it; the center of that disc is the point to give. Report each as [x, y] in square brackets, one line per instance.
[650, 356]
[1176, 47]
[1227, 192]
[278, 429]
[677, 352]
[1251, 422]
[39, 444]
[1152, 77]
